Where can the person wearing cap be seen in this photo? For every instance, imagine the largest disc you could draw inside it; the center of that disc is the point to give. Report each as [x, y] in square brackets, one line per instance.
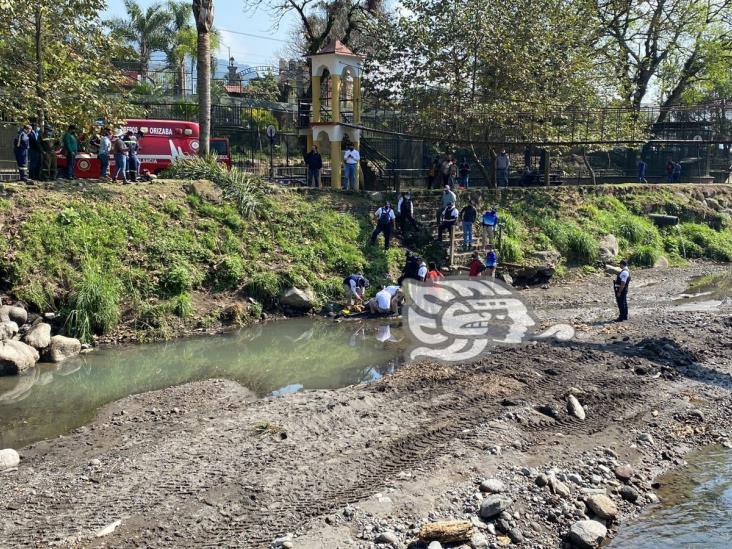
[70, 145]
[447, 197]
[133, 162]
[385, 217]
[621, 291]
[119, 148]
[449, 217]
[354, 286]
[488, 223]
[350, 159]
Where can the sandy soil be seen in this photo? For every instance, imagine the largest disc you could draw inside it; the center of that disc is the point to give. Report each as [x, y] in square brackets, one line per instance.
[206, 465]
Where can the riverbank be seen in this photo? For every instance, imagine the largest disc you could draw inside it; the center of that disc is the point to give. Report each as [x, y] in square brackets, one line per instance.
[161, 260]
[201, 464]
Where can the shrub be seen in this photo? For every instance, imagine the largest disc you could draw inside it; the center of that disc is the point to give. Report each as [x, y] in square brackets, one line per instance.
[636, 230]
[182, 306]
[176, 280]
[264, 287]
[713, 245]
[510, 250]
[93, 305]
[230, 272]
[581, 246]
[645, 256]
[37, 294]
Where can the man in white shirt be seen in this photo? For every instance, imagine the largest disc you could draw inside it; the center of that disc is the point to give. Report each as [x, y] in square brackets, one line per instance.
[449, 218]
[503, 163]
[385, 217]
[422, 272]
[351, 159]
[621, 291]
[381, 304]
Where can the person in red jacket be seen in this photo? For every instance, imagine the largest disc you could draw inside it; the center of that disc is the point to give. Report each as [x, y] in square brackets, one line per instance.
[476, 265]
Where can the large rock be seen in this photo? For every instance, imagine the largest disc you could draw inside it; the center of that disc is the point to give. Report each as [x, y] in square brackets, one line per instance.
[15, 314]
[302, 300]
[39, 336]
[9, 459]
[493, 506]
[8, 329]
[575, 408]
[587, 534]
[624, 472]
[602, 506]
[609, 248]
[548, 257]
[713, 204]
[558, 487]
[16, 357]
[492, 486]
[62, 348]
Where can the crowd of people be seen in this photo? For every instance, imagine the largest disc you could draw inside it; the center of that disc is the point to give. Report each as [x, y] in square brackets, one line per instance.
[37, 152]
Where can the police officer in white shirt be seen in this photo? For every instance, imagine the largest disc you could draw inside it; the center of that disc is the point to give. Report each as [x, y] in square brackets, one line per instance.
[351, 159]
[621, 291]
[385, 217]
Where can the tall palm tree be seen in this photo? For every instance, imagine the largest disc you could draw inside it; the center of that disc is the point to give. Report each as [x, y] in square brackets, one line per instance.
[180, 30]
[145, 30]
[204, 15]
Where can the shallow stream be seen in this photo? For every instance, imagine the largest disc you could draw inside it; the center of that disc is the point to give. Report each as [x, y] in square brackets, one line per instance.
[269, 359]
[695, 508]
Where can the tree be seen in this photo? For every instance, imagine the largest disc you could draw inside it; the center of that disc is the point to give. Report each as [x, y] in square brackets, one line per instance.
[664, 45]
[54, 64]
[203, 12]
[180, 31]
[145, 30]
[265, 87]
[320, 21]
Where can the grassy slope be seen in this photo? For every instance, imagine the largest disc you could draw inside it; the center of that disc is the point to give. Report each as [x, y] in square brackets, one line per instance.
[150, 260]
[151, 257]
[574, 220]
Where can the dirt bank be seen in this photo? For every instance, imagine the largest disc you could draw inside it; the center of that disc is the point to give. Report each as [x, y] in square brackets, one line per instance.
[204, 465]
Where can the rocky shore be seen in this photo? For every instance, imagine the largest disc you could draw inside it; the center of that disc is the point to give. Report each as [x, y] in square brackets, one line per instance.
[546, 444]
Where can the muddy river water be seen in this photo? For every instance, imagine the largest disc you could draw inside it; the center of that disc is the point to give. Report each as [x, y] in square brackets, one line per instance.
[269, 359]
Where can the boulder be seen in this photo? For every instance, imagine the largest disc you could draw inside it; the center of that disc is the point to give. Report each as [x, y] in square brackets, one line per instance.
[548, 257]
[39, 336]
[713, 204]
[8, 329]
[16, 357]
[587, 534]
[9, 459]
[206, 190]
[558, 487]
[575, 408]
[609, 248]
[492, 486]
[62, 348]
[493, 506]
[624, 472]
[602, 506]
[16, 314]
[301, 300]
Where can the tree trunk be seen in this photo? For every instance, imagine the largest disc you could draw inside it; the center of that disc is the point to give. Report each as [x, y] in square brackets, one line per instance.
[204, 92]
[481, 167]
[181, 83]
[39, 67]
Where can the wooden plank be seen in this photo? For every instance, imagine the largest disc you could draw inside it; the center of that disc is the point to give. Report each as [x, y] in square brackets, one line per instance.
[449, 531]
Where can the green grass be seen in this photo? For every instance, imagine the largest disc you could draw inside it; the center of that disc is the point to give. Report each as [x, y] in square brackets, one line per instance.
[93, 306]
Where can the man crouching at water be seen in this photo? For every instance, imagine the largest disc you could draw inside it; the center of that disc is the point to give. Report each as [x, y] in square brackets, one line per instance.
[386, 301]
[621, 291]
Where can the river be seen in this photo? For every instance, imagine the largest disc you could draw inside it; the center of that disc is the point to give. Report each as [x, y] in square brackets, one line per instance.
[269, 359]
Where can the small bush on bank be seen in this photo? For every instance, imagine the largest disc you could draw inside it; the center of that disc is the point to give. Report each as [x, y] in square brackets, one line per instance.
[710, 243]
[230, 272]
[265, 287]
[244, 191]
[645, 256]
[93, 305]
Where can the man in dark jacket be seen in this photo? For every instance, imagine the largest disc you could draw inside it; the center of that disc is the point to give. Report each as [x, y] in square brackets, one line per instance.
[468, 215]
[405, 212]
[20, 147]
[314, 162]
[34, 153]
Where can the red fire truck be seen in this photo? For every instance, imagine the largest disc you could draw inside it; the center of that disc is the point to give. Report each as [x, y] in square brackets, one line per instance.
[161, 143]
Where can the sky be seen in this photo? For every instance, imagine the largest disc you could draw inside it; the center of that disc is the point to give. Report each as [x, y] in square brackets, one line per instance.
[231, 18]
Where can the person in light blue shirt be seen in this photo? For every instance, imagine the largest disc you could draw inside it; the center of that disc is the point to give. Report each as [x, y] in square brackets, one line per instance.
[489, 222]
